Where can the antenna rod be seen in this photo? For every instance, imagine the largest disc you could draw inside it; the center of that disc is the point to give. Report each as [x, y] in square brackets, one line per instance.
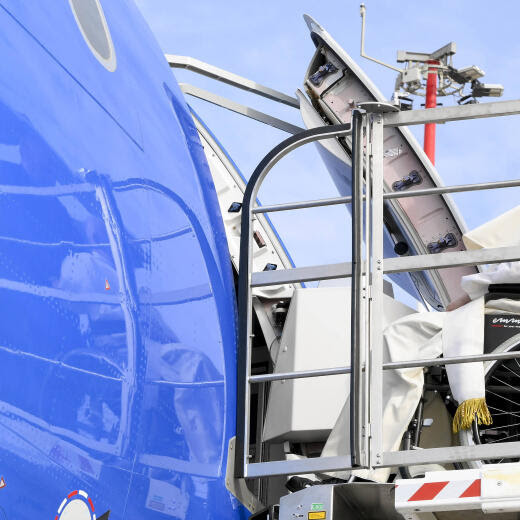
[362, 12]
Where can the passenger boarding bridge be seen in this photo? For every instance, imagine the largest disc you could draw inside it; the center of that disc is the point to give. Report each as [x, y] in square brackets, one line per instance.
[285, 373]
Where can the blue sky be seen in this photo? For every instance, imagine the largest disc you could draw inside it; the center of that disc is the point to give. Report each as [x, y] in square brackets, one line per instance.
[269, 42]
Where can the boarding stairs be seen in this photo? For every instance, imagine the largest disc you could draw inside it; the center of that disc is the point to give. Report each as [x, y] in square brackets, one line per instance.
[448, 494]
[367, 273]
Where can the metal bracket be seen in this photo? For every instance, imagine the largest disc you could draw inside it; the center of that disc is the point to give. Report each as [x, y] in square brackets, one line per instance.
[238, 486]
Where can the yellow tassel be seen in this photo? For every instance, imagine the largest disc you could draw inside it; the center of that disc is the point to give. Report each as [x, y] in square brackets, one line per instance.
[466, 412]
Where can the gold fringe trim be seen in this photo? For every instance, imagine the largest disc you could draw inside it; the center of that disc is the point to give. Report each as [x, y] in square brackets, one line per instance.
[466, 412]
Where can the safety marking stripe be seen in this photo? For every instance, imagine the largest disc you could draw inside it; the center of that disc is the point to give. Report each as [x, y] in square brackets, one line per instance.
[405, 490]
[454, 489]
[428, 491]
[473, 490]
[439, 491]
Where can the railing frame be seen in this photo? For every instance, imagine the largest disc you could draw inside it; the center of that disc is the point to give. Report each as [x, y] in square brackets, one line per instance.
[367, 271]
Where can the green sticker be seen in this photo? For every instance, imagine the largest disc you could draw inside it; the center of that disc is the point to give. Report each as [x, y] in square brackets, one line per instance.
[316, 507]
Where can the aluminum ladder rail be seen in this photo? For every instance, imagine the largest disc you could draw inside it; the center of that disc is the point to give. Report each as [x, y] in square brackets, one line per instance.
[229, 78]
[367, 273]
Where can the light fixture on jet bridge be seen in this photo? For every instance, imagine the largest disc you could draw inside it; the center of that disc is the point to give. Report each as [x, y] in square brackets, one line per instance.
[487, 89]
[430, 75]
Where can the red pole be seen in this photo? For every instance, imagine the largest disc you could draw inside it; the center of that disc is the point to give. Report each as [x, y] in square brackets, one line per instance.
[431, 102]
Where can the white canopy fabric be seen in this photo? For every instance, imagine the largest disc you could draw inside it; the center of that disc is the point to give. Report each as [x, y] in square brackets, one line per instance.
[502, 231]
[402, 389]
[419, 336]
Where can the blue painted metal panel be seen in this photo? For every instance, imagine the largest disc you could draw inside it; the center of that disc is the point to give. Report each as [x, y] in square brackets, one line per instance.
[117, 331]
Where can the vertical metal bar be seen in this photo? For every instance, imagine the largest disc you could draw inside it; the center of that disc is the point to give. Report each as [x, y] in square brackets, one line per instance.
[245, 300]
[376, 294]
[356, 409]
[245, 305]
[365, 301]
[259, 445]
[259, 422]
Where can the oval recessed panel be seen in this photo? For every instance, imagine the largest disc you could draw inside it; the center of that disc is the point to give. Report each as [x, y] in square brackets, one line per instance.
[93, 26]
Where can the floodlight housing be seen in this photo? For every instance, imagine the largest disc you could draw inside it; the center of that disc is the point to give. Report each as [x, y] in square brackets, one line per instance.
[486, 89]
[411, 75]
[471, 73]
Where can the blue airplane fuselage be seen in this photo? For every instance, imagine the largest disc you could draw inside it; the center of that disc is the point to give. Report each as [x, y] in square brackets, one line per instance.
[117, 324]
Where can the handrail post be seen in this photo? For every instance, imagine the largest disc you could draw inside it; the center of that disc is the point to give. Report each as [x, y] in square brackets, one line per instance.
[245, 330]
[375, 343]
[245, 289]
[356, 317]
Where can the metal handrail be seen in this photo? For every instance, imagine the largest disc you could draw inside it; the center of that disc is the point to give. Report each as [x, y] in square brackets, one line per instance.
[244, 277]
[356, 317]
[224, 76]
[238, 108]
[391, 195]
[393, 365]
[248, 280]
[391, 265]
[229, 78]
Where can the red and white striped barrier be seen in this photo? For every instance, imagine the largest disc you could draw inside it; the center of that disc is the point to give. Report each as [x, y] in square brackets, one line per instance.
[492, 488]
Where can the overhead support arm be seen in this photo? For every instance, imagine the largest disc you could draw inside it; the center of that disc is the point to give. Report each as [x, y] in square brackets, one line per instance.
[453, 113]
[240, 109]
[194, 65]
